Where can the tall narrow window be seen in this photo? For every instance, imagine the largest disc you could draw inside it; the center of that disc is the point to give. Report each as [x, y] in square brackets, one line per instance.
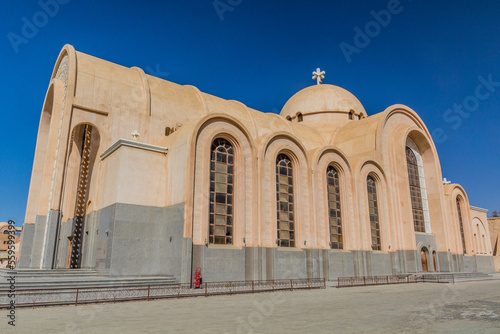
[373, 207]
[284, 201]
[332, 180]
[221, 192]
[81, 198]
[460, 222]
[415, 192]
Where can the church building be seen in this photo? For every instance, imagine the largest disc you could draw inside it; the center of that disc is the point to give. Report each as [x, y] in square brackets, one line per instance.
[134, 175]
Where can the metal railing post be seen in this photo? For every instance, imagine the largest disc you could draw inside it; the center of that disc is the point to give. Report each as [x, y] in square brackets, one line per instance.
[206, 292]
[76, 301]
[149, 288]
[252, 287]
[291, 285]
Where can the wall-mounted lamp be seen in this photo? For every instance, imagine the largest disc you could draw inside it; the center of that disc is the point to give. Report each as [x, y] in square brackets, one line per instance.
[170, 238]
[244, 241]
[135, 135]
[206, 243]
[389, 246]
[305, 242]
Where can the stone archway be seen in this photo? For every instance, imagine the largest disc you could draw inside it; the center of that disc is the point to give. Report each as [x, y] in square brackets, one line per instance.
[423, 257]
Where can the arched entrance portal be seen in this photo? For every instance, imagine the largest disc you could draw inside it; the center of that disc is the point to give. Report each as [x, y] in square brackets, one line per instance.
[423, 256]
[86, 140]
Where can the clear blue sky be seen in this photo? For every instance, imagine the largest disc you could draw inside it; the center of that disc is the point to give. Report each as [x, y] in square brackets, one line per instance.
[429, 57]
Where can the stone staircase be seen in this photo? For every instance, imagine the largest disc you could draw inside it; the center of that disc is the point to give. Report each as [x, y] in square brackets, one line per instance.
[462, 276]
[471, 276]
[72, 278]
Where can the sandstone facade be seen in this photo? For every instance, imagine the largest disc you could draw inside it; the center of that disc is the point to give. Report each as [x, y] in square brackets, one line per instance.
[135, 175]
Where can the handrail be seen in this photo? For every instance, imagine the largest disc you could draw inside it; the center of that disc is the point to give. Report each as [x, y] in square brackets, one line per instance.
[93, 294]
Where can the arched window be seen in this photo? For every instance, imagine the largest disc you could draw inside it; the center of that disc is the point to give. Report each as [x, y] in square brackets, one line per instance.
[460, 222]
[415, 191]
[300, 118]
[351, 114]
[221, 192]
[332, 180]
[6, 232]
[374, 219]
[284, 201]
[476, 244]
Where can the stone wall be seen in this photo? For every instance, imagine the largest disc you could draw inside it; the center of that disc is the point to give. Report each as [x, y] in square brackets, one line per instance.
[494, 226]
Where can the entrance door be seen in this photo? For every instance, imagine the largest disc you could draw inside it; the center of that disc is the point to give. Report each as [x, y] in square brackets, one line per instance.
[68, 261]
[423, 255]
[434, 259]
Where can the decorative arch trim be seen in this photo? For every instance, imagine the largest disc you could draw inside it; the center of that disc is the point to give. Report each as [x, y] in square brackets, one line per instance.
[205, 132]
[322, 159]
[282, 135]
[372, 169]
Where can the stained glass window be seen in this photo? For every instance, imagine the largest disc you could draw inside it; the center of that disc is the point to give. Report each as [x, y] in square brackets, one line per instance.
[284, 201]
[460, 222]
[415, 191]
[334, 215]
[374, 218]
[221, 192]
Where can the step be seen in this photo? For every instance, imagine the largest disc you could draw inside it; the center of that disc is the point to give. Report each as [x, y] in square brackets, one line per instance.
[462, 276]
[62, 277]
[91, 278]
[97, 282]
[47, 272]
[471, 275]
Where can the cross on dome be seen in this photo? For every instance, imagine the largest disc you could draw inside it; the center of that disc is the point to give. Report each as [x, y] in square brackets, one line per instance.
[318, 75]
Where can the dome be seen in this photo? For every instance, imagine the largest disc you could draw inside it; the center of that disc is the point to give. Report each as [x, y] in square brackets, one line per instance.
[322, 99]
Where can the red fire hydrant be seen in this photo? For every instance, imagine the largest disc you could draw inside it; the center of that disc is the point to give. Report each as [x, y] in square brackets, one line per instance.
[197, 278]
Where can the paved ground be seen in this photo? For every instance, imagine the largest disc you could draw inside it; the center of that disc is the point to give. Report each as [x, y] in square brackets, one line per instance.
[465, 307]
